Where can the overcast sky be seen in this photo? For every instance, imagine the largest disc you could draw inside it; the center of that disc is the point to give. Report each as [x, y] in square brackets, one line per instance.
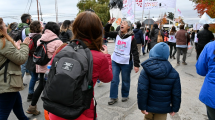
[11, 10]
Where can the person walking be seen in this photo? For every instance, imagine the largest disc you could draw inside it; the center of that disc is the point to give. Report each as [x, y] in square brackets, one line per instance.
[172, 42]
[66, 31]
[88, 24]
[154, 35]
[182, 40]
[205, 67]
[138, 34]
[159, 87]
[196, 42]
[147, 40]
[10, 74]
[35, 29]
[26, 21]
[123, 58]
[192, 36]
[204, 37]
[51, 32]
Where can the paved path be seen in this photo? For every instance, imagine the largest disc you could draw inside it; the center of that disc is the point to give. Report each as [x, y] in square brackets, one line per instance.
[191, 107]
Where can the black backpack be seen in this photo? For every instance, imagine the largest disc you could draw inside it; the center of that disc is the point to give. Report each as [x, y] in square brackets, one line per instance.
[69, 88]
[40, 56]
[17, 34]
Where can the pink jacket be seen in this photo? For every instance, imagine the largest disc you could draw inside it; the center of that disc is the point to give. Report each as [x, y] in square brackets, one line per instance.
[51, 48]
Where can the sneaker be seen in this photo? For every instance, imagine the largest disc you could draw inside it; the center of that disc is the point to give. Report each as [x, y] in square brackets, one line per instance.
[25, 85]
[170, 57]
[124, 99]
[112, 101]
[99, 83]
[178, 64]
[173, 57]
[184, 63]
[30, 96]
[33, 110]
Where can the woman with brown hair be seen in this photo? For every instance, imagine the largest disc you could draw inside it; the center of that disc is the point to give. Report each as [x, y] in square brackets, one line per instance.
[66, 31]
[88, 28]
[172, 42]
[10, 74]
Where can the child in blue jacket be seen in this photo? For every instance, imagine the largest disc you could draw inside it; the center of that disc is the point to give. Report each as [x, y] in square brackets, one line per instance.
[159, 87]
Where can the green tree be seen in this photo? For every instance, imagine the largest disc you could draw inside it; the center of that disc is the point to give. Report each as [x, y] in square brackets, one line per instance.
[99, 6]
[170, 15]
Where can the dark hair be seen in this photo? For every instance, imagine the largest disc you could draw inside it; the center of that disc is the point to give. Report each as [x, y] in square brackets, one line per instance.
[173, 30]
[65, 26]
[206, 26]
[91, 10]
[88, 26]
[35, 27]
[54, 27]
[182, 26]
[13, 26]
[138, 25]
[25, 17]
[155, 26]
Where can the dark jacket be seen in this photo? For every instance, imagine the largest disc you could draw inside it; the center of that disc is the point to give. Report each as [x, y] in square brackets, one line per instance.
[204, 37]
[181, 38]
[134, 50]
[154, 36]
[193, 35]
[66, 36]
[138, 34]
[159, 88]
[31, 66]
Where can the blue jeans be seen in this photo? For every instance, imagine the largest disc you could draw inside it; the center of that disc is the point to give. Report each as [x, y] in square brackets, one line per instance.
[9, 101]
[126, 79]
[23, 68]
[34, 78]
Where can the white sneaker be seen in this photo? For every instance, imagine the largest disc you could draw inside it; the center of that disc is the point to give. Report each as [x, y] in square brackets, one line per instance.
[100, 84]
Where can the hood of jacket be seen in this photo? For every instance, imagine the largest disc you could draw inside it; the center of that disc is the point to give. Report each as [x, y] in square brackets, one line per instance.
[158, 66]
[48, 36]
[136, 30]
[21, 25]
[128, 34]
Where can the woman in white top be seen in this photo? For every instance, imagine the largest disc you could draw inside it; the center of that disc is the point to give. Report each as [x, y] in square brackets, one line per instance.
[196, 41]
[172, 42]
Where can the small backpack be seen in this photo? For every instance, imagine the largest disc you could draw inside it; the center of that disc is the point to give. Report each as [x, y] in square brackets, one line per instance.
[17, 34]
[160, 38]
[71, 96]
[40, 56]
[31, 45]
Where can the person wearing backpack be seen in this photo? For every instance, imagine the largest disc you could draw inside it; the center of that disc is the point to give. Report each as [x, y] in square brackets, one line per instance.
[182, 40]
[86, 29]
[66, 31]
[35, 35]
[138, 34]
[159, 87]
[50, 34]
[124, 57]
[155, 34]
[10, 74]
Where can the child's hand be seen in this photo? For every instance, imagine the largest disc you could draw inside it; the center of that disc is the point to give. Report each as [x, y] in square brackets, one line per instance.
[172, 113]
[144, 112]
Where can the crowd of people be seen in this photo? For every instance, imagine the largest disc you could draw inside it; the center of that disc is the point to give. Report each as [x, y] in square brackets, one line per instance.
[159, 87]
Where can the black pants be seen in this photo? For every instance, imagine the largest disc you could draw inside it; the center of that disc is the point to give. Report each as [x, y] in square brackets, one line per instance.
[39, 90]
[199, 50]
[172, 45]
[211, 113]
[148, 46]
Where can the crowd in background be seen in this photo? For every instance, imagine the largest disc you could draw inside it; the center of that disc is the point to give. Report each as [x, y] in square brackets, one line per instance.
[159, 87]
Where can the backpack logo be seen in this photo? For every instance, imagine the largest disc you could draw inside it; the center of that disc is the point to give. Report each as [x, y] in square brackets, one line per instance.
[67, 66]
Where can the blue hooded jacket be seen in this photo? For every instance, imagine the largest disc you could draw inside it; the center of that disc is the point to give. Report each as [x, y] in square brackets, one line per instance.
[159, 88]
[138, 34]
[205, 66]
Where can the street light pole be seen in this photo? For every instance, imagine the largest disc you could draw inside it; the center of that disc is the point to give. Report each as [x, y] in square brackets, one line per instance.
[38, 11]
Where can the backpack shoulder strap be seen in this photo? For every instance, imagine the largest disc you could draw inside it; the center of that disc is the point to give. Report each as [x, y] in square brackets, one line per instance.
[49, 41]
[5, 64]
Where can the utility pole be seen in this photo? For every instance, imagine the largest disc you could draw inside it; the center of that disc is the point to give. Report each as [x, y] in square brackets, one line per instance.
[38, 11]
[56, 10]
